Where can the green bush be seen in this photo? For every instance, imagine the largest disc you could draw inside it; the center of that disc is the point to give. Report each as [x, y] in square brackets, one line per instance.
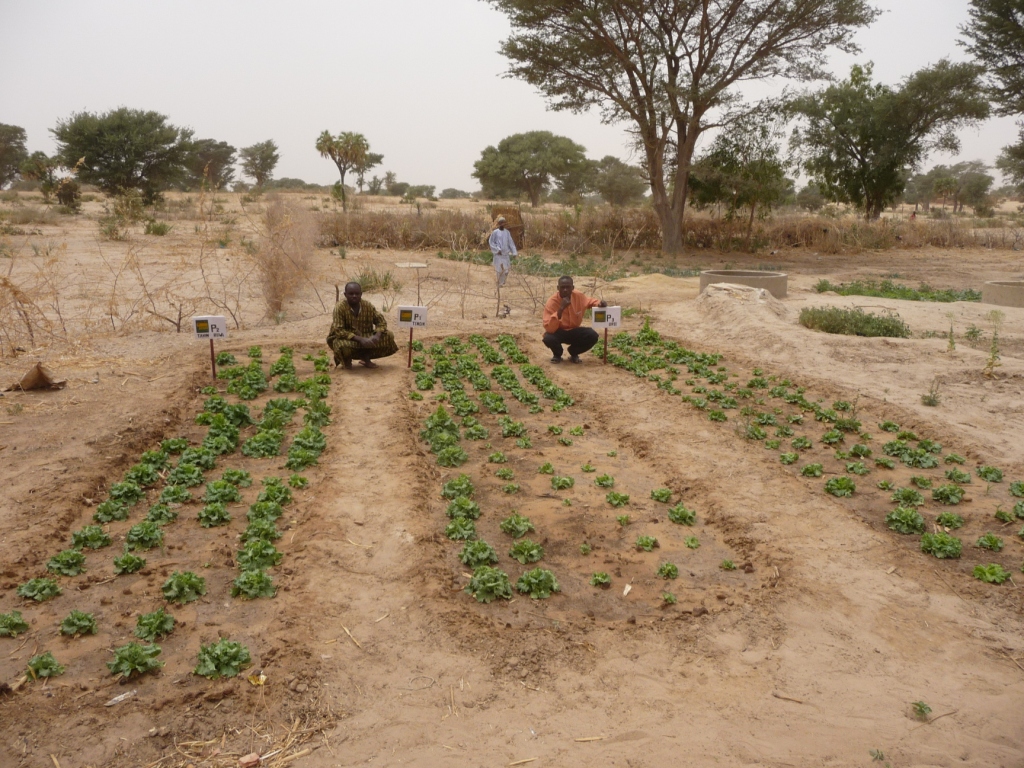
[853, 322]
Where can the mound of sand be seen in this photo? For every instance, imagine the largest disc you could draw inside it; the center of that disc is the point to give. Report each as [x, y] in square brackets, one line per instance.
[737, 304]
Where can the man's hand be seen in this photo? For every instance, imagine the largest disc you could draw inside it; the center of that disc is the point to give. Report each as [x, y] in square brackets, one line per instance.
[565, 304]
[364, 341]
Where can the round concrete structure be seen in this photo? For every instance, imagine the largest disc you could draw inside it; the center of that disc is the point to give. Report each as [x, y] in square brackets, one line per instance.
[1005, 293]
[775, 283]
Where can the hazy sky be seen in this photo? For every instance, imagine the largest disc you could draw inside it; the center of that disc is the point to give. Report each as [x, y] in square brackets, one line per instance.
[422, 80]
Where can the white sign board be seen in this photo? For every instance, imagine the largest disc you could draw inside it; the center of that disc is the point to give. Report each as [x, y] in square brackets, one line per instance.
[607, 317]
[412, 317]
[210, 327]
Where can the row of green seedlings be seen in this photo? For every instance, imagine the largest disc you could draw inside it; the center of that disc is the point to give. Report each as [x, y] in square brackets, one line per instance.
[257, 554]
[248, 381]
[842, 420]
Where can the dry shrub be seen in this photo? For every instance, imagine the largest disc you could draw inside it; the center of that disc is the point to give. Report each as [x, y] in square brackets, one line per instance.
[283, 253]
[601, 230]
[30, 214]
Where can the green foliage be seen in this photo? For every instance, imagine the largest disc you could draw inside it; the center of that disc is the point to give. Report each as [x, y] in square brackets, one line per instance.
[453, 456]
[993, 573]
[213, 514]
[185, 476]
[527, 163]
[78, 623]
[142, 475]
[128, 563]
[12, 625]
[802, 443]
[526, 551]
[153, 626]
[646, 543]
[562, 483]
[497, 458]
[134, 658]
[44, 665]
[990, 474]
[161, 514]
[950, 520]
[955, 458]
[905, 520]
[145, 535]
[488, 584]
[516, 525]
[623, 520]
[604, 481]
[990, 541]
[812, 470]
[668, 571]
[183, 587]
[600, 579]
[257, 555]
[832, 437]
[200, 457]
[225, 658]
[477, 553]
[949, 493]
[958, 475]
[460, 529]
[680, 515]
[252, 584]
[258, 163]
[942, 545]
[239, 478]
[538, 583]
[547, 468]
[463, 506]
[275, 491]
[458, 486]
[177, 494]
[853, 322]
[664, 495]
[70, 562]
[617, 499]
[840, 486]
[856, 468]
[727, 565]
[887, 289]
[127, 492]
[90, 537]
[907, 497]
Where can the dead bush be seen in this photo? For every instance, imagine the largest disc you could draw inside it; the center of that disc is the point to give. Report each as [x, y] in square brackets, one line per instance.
[282, 253]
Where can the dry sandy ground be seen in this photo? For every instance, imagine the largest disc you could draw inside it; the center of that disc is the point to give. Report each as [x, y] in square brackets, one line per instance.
[372, 652]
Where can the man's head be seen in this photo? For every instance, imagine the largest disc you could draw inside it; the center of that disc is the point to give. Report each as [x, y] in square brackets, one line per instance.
[565, 286]
[501, 222]
[353, 293]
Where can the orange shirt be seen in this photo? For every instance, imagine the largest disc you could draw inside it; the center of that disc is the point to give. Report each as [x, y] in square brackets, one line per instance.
[573, 314]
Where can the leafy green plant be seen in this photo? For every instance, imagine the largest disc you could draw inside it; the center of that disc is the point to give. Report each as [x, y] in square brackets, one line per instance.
[264, 444]
[463, 506]
[889, 426]
[623, 520]
[221, 491]
[145, 535]
[177, 494]
[886, 485]
[1004, 516]
[668, 598]
[993, 573]
[905, 520]
[646, 543]
[812, 470]
[680, 515]
[110, 510]
[566, 441]
[135, 659]
[257, 555]
[452, 456]
[950, 520]
[225, 658]
[554, 430]
[174, 445]
[600, 579]
[921, 481]
[497, 458]
[990, 541]
[802, 443]
[39, 590]
[538, 583]
[526, 551]
[921, 710]
[617, 499]
[668, 571]
[152, 626]
[1017, 488]
[727, 565]
[604, 481]
[44, 665]
[264, 510]
[186, 476]
[856, 468]
[274, 490]
[516, 526]
[547, 468]
[12, 624]
[460, 529]
[562, 483]
[200, 457]
[260, 530]
[128, 563]
[78, 623]
[692, 542]
[885, 462]
[612, 454]
[950, 493]
[127, 492]
[461, 485]
[958, 475]
[70, 562]
[585, 549]
[161, 514]
[183, 587]
[942, 545]
[214, 514]
[298, 482]
[907, 497]
[253, 584]
[664, 495]
[840, 486]
[488, 584]
[990, 474]
[239, 478]
[788, 458]
[477, 553]
[142, 475]
[510, 488]
[955, 458]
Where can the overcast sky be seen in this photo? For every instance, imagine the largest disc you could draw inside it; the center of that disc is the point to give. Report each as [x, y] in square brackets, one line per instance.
[422, 80]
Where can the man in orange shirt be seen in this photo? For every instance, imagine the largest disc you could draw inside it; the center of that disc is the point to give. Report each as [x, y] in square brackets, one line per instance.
[563, 314]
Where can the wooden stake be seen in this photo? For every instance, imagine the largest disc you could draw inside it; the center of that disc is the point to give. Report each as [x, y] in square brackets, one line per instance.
[606, 345]
[410, 349]
[213, 361]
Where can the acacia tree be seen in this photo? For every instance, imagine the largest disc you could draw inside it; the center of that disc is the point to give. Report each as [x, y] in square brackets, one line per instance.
[859, 138]
[39, 167]
[12, 152]
[350, 152]
[124, 149]
[210, 162]
[743, 169]
[372, 160]
[669, 68]
[259, 161]
[995, 36]
[528, 163]
[619, 183]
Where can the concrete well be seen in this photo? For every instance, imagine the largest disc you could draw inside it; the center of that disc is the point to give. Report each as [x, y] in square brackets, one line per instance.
[1005, 293]
[775, 283]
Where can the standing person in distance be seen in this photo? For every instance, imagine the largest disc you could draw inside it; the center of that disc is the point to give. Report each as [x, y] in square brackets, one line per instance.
[503, 248]
[563, 314]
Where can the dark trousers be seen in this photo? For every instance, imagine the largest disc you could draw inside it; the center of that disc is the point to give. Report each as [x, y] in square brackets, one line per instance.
[579, 340]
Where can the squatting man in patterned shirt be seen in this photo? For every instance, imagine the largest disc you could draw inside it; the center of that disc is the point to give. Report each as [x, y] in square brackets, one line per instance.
[359, 331]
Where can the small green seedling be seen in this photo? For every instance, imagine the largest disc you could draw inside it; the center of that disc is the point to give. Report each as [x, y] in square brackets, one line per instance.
[225, 658]
[667, 598]
[128, 563]
[183, 587]
[668, 571]
[727, 565]
[990, 541]
[921, 710]
[646, 543]
[526, 551]
[44, 665]
[135, 659]
[153, 626]
[488, 584]
[12, 624]
[78, 623]
[39, 590]
[497, 458]
[623, 520]
[601, 579]
[70, 562]
[692, 542]
[681, 515]
[664, 495]
[617, 499]
[253, 584]
[546, 469]
[539, 584]
[585, 549]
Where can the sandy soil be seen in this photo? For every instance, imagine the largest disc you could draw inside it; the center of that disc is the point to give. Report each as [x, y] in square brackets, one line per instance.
[810, 653]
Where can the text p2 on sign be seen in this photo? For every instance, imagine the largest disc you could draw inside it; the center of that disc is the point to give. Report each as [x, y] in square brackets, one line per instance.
[210, 327]
[607, 317]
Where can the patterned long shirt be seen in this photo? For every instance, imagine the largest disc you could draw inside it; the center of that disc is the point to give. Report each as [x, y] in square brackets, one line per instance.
[347, 324]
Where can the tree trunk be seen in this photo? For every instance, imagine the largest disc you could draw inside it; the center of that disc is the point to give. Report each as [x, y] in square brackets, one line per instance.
[750, 223]
[344, 201]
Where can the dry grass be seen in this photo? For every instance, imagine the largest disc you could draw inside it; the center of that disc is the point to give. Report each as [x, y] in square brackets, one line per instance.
[282, 253]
